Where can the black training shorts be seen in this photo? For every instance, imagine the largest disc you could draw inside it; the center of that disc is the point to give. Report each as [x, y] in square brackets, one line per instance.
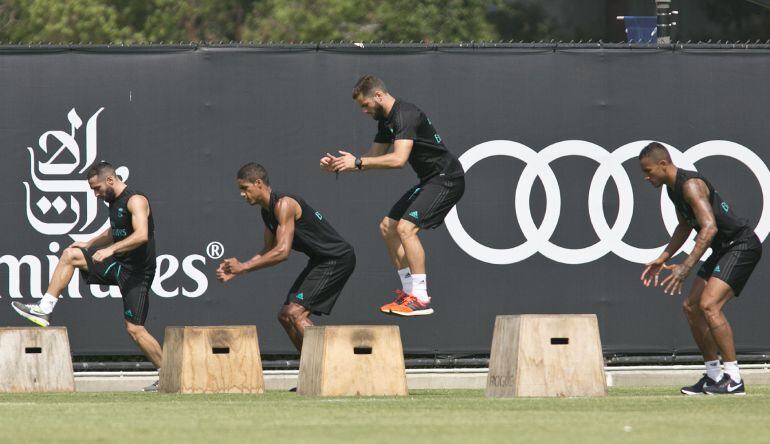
[320, 283]
[427, 204]
[134, 285]
[734, 264]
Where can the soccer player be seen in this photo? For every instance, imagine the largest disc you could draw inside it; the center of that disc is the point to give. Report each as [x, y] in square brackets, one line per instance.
[122, 255]
[290, 223]
[405, 134]
[735, 252]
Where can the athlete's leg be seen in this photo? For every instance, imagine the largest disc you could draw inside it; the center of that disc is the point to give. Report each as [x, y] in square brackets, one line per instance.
[415, 254]
[714, 297]
[146, 342]
[294, 318]
[393, 243]
[71, 258]
[701, 332]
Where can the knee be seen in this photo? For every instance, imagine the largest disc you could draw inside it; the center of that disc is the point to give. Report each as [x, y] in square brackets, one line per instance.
[288, 317]
[689, 308]
[709, 308]
[284, 318]
[70, 255]
[135, 331]
[406, 229]
[387, 228]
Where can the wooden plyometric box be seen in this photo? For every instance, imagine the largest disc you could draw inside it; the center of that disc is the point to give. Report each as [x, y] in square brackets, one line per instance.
[352, 360]
[546, 355]
[221, 359]
[35, 359]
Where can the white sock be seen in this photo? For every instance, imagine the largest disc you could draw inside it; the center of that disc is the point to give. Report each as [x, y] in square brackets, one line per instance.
[420, 287]
[731, 368]
[406, 279]
[47, 303]
[713, 370]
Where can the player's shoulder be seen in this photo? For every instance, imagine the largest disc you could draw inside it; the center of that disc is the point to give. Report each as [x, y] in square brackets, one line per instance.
[695, 186]
[288, 202]
[408, 107]
[136, 198]
[407, 114]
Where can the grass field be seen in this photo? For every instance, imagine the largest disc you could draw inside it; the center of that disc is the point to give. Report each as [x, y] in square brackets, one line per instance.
[649, 415]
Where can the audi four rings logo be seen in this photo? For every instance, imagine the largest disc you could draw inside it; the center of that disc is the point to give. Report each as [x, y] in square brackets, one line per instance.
[610, 165]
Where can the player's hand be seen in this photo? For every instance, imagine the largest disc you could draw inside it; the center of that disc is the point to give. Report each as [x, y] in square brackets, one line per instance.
[222, 275]
[345, 162]
[232, 266]
[326, 162]
[102, 254]
[652, 271]
[674, 282]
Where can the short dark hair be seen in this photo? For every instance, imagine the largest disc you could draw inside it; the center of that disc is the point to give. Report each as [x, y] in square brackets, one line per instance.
[366, 86]
[655, 150]
[101, 169]
[253, 171]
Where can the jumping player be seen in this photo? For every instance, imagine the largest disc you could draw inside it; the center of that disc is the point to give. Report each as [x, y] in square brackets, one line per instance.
[290, 223]
[406, 130]
[122, 255]
[736, 251]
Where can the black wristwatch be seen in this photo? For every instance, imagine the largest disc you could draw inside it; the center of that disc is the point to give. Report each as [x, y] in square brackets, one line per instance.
[359, 164]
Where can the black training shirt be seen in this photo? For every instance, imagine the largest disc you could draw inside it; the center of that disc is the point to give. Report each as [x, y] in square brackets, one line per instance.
[730, 227]
[429, 156]
[141, 258]
[313, 234]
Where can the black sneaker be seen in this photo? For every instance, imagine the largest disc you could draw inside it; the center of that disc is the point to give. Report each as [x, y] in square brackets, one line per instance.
[32, 312]
[697, 388]
[726, 386]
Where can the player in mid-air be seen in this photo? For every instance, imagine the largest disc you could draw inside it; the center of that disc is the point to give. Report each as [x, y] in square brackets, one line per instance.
[122, 255]
[291, 224]
[736, 250]
[405, 134]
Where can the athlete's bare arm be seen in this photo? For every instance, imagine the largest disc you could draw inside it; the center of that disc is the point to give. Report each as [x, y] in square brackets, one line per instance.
[696, 194]
[378, 149]
[397, 159]
[140, 215]
[652, 269]
[287, 211]
[103, 239]
[269, 241]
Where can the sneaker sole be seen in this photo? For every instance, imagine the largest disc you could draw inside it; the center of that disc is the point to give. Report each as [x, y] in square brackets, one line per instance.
[689, 393]
[426, 312]
[731, 394]
[33, 319]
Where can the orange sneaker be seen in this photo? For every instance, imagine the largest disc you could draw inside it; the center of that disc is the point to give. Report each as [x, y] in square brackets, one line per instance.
[400, 296]
[411, 306]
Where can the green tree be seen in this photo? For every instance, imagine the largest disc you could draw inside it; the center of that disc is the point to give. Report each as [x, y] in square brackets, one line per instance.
[197, 20]
[518, 20]
[311, 20]
[351, 20]
[61, 21]
[738, 20]
[435, 20]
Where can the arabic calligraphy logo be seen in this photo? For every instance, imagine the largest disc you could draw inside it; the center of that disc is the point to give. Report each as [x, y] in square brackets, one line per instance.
[61, 183]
